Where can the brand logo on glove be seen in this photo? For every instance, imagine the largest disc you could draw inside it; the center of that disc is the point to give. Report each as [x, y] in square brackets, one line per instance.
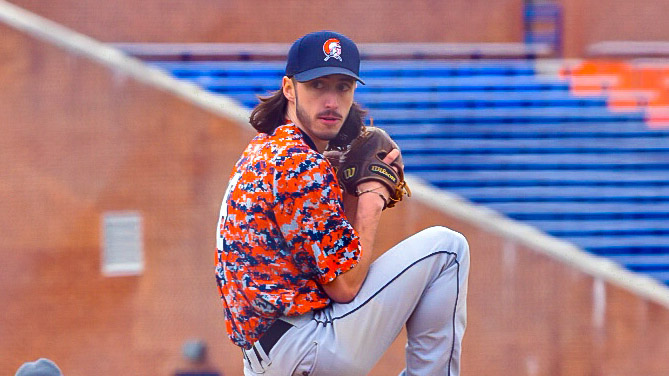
[381, 170]
[332, 48]
[349, 173]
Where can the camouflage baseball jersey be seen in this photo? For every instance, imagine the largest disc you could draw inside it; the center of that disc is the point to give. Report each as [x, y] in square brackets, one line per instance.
[282, 233]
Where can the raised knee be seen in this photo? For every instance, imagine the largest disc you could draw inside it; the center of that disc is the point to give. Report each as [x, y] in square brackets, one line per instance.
[450, 240]
[445, 234]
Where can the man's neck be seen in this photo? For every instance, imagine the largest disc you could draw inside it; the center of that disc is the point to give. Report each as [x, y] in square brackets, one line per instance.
[321, 145]
[315, 144]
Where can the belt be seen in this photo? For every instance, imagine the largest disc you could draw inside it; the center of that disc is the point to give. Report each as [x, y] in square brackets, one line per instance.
[273, 334]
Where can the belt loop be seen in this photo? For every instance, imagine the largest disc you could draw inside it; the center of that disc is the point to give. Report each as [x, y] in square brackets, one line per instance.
[261, 352]
[254, 360]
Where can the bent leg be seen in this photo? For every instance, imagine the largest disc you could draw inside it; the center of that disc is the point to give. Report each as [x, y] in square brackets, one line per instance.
[435, 338]
[422, 282]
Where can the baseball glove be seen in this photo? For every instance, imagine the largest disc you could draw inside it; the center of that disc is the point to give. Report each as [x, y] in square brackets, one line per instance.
[363, 161]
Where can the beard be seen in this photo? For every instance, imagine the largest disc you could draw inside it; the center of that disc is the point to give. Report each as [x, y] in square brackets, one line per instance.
[303, 117]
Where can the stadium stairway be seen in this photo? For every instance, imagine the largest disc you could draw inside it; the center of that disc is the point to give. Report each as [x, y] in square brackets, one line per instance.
[501, 135]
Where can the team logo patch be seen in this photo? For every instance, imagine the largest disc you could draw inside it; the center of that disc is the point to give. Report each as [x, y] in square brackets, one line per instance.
[383, 171]
[332, 49]
[349, 173]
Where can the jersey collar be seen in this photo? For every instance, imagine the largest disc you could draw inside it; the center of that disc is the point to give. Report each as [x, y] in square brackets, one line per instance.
[305, 136]
[307, 139]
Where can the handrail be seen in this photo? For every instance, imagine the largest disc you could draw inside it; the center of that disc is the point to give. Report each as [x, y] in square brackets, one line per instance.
[80, 44]
[490, 220]
[628, 49]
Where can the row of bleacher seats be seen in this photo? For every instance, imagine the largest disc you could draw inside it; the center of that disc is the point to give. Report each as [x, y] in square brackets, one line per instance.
[373, 69]
[500, 135]
[232, 86]
[475, 99]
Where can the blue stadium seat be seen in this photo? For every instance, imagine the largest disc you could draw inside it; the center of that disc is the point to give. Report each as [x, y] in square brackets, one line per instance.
[372, 69]
[576, 194]
[500, 135]
[608, 227]
[264, 85]
[500, 115]
[608, 145]
[531, 130]
[482, 99]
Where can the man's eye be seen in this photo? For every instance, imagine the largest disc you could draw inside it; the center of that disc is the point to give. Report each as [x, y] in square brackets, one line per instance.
[344, 87]
[317, 85]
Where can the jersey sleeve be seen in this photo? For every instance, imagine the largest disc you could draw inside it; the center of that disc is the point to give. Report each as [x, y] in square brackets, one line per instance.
[309, 212]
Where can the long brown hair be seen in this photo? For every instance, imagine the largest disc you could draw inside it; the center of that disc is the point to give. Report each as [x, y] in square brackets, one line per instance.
[271, 113]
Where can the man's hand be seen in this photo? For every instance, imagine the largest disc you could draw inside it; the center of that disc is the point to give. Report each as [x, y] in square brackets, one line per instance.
[366, 159]
[375, 188]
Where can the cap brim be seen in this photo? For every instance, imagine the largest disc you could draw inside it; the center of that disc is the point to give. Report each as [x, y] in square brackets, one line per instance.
[325, 71]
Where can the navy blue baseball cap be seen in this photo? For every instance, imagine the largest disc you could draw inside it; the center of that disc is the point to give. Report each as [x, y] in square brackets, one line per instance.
[322, 53]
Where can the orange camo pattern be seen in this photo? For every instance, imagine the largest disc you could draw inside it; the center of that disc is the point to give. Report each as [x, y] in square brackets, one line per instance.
[285, 234]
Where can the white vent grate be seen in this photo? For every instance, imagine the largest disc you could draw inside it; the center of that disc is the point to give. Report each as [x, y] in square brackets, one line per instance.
[122, 248]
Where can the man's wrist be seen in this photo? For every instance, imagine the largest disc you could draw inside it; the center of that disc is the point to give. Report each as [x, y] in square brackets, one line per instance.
[373, 192]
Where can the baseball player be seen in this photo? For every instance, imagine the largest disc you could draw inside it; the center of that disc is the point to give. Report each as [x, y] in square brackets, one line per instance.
[295, 238]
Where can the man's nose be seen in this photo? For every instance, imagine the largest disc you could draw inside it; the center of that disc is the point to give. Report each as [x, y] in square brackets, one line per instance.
[331, 100]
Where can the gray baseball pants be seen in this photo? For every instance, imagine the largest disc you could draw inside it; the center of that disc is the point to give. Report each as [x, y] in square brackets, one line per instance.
[420, 283]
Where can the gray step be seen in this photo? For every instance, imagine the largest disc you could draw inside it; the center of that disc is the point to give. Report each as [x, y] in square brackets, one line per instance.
[588, 178]
[604, 226]
[401, 84]
[532, 130]
[586, 208]
[620, 243]
[563, 194]
[533, 146]
[493, 115]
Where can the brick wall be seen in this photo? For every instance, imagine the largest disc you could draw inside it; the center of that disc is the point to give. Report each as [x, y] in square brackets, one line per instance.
[285, 21]
[466, 21]
[590, 21]
[80, 139]
[529, 314]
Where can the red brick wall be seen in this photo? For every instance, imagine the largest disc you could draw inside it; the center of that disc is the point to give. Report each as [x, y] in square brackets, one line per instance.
[79, 139]
[467, 21]
[529, 314]
[590, 21]
[284, 21]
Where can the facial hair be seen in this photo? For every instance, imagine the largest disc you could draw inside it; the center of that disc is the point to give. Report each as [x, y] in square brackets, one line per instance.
[307, 122]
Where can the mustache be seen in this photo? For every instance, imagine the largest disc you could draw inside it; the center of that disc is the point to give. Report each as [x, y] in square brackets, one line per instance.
[329, 113]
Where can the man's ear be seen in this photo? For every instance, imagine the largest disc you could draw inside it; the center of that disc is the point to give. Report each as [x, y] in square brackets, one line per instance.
[288, 87]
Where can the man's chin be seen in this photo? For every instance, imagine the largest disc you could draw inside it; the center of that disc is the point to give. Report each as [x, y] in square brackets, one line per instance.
[327, 132]
[327, 135]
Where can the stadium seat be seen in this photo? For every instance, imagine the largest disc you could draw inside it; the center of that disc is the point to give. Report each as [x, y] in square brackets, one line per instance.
[572, 155]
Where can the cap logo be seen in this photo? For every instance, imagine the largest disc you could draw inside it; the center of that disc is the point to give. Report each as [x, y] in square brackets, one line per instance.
[332, 49]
